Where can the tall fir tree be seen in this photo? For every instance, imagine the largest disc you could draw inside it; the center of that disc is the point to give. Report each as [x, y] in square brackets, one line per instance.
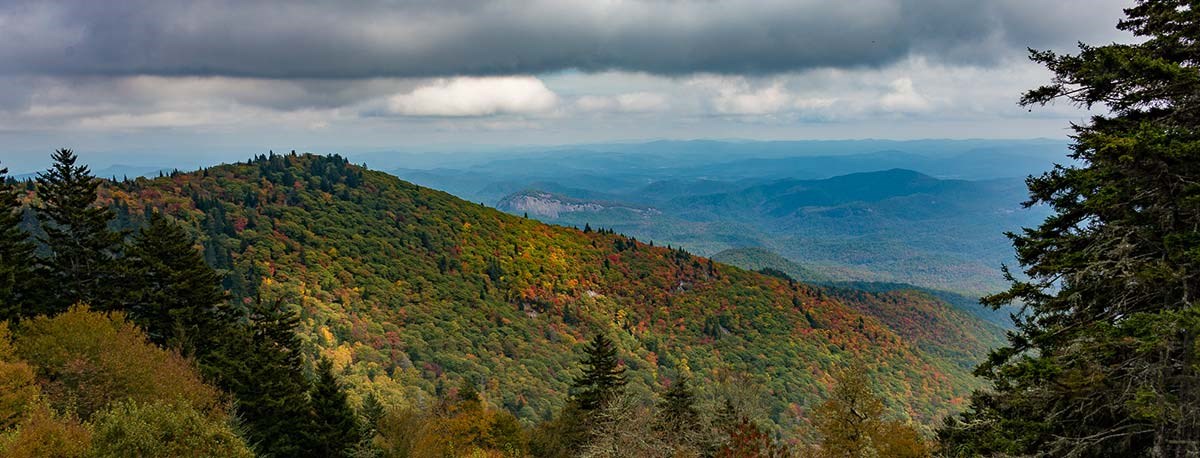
[603, 376]
[677, 414]
[174, 295]
[372, 412]
[16, 253]
[602, 380]
[269, 383]
[336, 430]
[82, 265]
[1105, 360]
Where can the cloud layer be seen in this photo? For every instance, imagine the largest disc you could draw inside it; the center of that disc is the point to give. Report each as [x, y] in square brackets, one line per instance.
[422, 38]
[383, 74]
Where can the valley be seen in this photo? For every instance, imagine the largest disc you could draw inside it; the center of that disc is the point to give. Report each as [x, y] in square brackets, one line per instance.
[936, 222]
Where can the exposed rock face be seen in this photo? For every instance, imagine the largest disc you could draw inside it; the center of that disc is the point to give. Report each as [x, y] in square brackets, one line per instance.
[546, 205]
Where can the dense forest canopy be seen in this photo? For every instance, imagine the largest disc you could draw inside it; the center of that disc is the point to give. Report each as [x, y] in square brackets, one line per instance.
[344, 289]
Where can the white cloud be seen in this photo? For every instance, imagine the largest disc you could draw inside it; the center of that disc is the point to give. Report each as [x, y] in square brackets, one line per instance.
[595, 103]
[813, 103]
[735, 96]
[633, 102]
[903, 97]
[471, 96]
[642, 101]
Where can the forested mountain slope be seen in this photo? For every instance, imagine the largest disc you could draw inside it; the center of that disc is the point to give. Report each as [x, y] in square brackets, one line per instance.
[410, 290]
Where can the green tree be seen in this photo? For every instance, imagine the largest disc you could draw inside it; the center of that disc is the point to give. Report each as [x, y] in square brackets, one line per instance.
[175, 296]
[269, 382]
[603, 379]
[336, 429]
[677, 414]
[82, 264]
[372, 411]
[603, 376]
[16, 253]
[1104, 358]
[164, 430]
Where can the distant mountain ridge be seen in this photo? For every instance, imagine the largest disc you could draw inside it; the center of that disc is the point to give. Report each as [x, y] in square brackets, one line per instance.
[759, 258]
[892, 225]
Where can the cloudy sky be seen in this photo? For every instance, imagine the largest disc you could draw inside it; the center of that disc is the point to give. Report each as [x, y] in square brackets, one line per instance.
[174, 76]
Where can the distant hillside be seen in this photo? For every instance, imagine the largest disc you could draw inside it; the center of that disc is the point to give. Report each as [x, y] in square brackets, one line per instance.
[758, 259]
[896, 226]
[410, 290]
[965, 303]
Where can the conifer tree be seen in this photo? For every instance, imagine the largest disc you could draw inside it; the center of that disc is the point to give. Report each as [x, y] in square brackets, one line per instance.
[16, 253]
[678, 422]
[269, 383]
[175, 296]
[82, 265]
[336, 429]
[1104, 360]
[603, 376]
[468, 396]
[372, 411]
[677, 409]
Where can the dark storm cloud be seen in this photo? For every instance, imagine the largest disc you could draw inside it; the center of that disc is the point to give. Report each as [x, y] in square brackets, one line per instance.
[381, 38]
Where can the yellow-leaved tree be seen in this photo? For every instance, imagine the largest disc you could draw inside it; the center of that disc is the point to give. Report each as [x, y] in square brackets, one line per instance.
[852, 423]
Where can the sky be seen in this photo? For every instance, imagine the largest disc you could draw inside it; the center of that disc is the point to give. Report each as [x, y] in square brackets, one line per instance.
[174, 78]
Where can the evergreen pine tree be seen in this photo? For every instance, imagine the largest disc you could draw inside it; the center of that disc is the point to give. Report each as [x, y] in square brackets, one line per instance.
[1105, 359]
[16, 253]
[269, 383]
[372, 411]
[336, 431]
[677, 414]
[603, 376]
[175, 296]
[83, 262]
[468, 396]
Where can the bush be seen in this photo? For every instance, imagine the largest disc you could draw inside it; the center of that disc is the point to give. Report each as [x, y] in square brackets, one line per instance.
[89, 360]
[162, 429]
[45, 434]
[17, 387]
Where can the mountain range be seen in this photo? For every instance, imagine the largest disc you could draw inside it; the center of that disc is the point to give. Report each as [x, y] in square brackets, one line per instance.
[894, 225]
[409, 290]
[931, 213]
